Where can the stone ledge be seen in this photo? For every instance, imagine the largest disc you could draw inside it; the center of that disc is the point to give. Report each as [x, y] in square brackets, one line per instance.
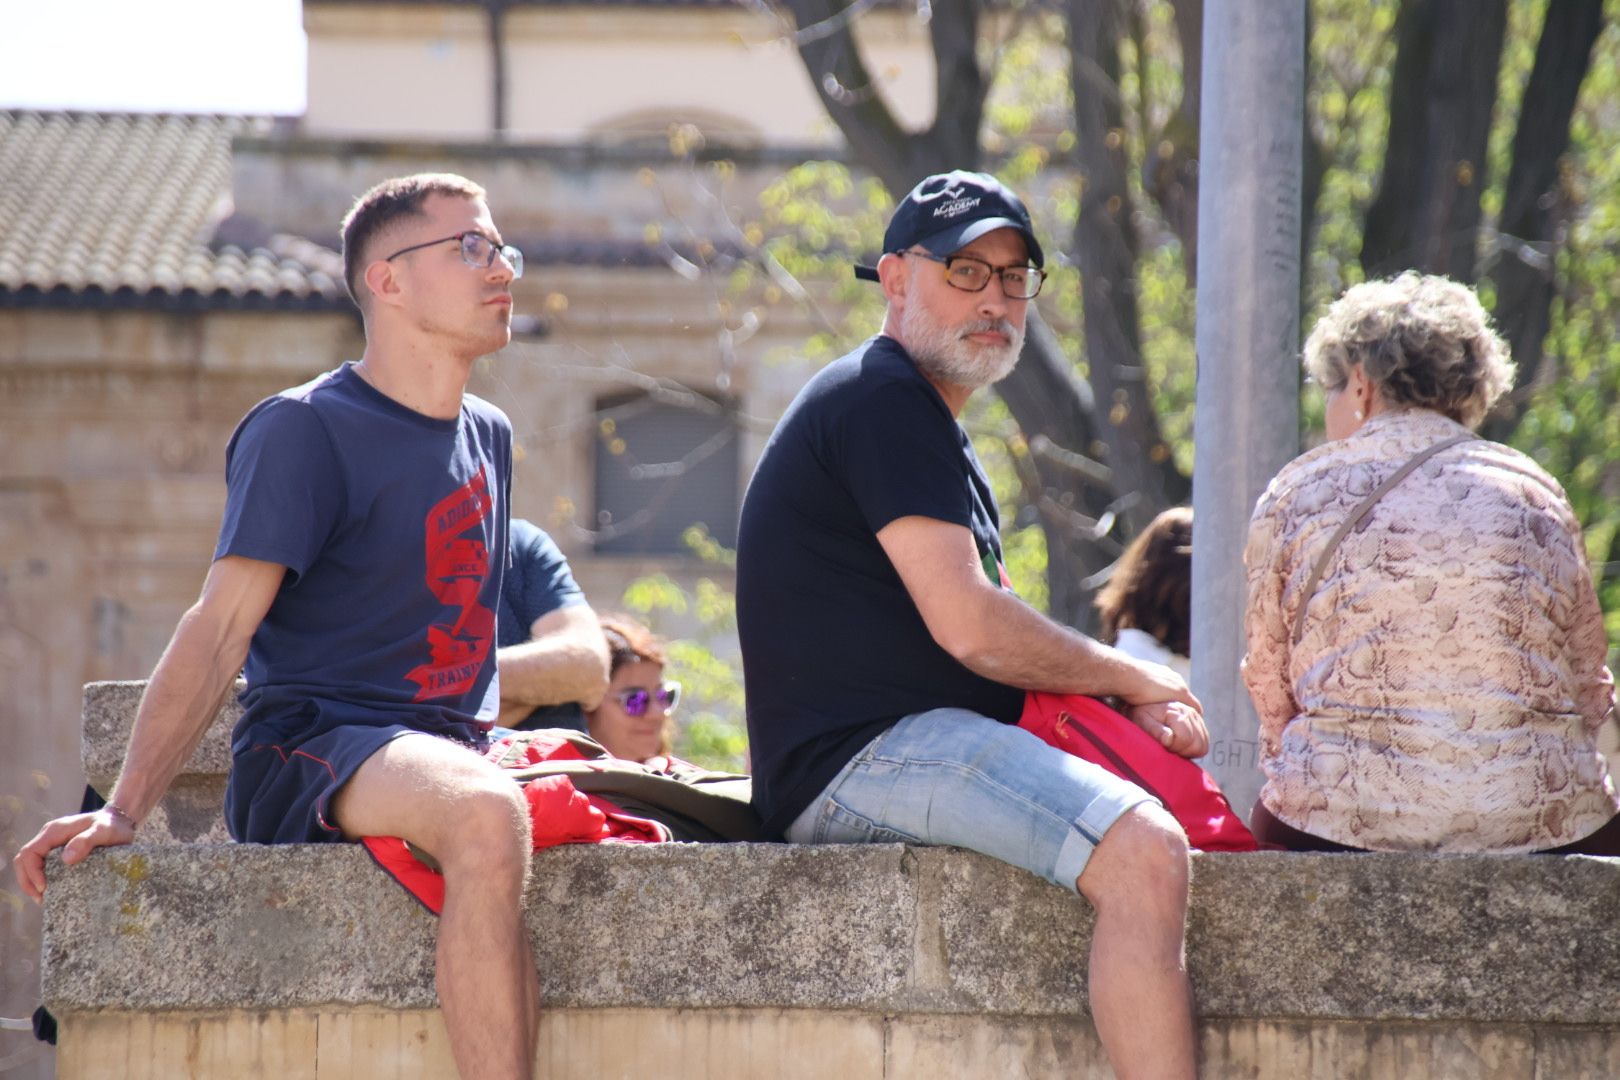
[109, 717]
[192, 810]
[887, 928]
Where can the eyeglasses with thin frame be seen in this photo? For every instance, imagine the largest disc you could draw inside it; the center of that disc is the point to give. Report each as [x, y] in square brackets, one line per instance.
[638, 699]
[972, 275]
[477, 251]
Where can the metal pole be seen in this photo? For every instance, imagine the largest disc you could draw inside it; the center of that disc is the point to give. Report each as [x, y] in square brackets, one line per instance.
[1251, 139]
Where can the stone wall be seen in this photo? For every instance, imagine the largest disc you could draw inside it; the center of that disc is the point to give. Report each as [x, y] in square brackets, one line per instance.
[775, 960]
[893, 958]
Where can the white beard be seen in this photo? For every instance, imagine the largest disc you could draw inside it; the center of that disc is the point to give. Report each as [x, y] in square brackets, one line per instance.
[945, 353]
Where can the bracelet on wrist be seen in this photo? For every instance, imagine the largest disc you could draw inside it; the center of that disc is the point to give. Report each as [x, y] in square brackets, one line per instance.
[119, 812]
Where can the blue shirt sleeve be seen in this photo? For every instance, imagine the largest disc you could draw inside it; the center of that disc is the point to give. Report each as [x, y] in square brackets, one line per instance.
[284, 487]
[537, 583]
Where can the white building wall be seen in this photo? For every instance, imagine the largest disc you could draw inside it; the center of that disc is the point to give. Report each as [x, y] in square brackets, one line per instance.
[575, 73]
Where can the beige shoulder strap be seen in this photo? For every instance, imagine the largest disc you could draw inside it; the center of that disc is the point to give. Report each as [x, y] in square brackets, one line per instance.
[1360, 512]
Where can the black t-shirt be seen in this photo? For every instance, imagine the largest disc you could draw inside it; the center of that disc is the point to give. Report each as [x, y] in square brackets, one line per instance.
[834, 650]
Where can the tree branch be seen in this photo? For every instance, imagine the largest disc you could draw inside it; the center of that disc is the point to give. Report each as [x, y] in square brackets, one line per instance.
[1106, 246]
[960, 86]
[1529, 229]
[1170, 158]
[1426, 214]
[844, 84]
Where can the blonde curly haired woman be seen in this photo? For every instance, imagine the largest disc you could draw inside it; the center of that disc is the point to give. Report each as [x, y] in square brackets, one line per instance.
[1425, 648]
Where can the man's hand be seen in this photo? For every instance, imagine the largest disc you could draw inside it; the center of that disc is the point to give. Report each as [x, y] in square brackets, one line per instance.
[81, 833]
[1178, 727]
[192, 678]
[1155, 684]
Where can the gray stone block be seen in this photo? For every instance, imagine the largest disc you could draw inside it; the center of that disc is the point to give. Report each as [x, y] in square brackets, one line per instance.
[192, 811]
[713, 925]
[886, 928]
[1480, 937]
[109, 716]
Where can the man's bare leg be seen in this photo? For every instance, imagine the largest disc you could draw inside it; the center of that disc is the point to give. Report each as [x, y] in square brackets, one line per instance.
[1141, 998]
[473, 819]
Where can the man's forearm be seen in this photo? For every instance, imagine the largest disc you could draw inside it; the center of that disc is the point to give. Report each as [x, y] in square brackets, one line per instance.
[1017, 645]
[552, 672]
[181, 700]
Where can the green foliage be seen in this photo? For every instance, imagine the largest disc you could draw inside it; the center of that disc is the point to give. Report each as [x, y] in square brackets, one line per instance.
[1167, 310]
[711, 733]
[1572, 426]
[818, 218]
[1352, 52]
[1030, 102]
[655, 592]
[1004, 453]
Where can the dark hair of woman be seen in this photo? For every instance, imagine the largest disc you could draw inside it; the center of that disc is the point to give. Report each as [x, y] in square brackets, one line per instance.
[1151, 586]
[629, 641]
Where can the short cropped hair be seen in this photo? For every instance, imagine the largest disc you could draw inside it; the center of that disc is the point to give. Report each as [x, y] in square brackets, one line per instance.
[1423, 340]
[1151, 586]
[385, 204]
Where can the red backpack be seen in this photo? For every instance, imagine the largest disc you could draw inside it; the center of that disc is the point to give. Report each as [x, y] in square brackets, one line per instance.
[1088, 729]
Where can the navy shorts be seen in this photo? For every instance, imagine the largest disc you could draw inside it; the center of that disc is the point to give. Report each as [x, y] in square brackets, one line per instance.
[281, 784]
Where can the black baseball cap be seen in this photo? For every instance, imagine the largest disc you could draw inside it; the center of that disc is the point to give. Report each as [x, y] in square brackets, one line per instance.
[948, 211]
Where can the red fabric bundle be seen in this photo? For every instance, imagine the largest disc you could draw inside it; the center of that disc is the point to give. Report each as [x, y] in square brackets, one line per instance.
[559, 813]
[1088, 729]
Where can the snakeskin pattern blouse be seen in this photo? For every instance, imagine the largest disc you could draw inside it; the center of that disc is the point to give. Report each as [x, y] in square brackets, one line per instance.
[1449, 685]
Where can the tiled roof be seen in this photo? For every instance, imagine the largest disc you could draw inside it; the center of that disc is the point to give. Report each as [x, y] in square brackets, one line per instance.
[121, 210]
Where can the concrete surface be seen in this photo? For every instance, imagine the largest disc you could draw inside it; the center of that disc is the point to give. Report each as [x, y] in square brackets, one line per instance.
[1501, 939]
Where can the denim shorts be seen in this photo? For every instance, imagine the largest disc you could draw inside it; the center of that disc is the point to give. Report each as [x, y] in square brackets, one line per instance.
[950, 776]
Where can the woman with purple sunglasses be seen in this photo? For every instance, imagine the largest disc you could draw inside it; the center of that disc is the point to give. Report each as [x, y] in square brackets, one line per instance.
[634, 720]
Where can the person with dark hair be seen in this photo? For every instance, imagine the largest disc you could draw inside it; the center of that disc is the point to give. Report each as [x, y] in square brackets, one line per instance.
[552, 659]
[1425, 648]
[1146, 607]
[357, 572]
[886, 666]
[635, 719]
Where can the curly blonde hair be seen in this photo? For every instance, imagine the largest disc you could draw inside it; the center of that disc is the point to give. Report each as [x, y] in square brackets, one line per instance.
[1423, 340]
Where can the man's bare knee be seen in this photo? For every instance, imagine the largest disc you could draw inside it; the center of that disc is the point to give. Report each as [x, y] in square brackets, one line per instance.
[1142, 858]
[486, 831]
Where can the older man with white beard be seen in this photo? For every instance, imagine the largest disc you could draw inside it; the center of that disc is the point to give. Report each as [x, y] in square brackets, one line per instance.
[886, 665]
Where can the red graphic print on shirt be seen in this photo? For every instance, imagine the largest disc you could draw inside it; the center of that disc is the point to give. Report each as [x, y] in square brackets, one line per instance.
[457, 566]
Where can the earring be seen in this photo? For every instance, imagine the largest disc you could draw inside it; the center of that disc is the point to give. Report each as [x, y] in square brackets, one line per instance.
[1358, 414]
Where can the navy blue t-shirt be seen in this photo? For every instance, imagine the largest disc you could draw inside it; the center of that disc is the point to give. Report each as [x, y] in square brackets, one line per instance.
[834, 650]
[393, 528]
[538, 582]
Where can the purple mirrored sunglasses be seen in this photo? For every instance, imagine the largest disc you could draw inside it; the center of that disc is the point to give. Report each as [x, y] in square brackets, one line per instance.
[638, 699]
